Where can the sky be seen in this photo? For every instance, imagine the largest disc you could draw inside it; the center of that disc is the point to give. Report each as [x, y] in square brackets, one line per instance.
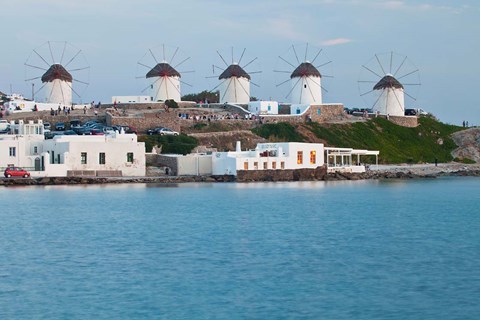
[439, 38]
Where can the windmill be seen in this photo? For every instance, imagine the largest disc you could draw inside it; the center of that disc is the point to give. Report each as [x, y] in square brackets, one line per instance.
[58, 66]
[305, 77]
[383, 82]
[235, 81]
[162, 75]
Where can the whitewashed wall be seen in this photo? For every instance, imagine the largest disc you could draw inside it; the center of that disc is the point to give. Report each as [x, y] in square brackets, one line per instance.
[58, 91]
[235, 90]
[165, 88]
[306, 90]
[391, 102]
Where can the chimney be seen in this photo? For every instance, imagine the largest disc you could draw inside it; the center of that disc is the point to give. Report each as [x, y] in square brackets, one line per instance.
[238, 147]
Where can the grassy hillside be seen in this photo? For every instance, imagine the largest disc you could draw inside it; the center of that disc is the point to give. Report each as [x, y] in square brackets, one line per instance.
[279, 132]
[429, 141]
[181, 144]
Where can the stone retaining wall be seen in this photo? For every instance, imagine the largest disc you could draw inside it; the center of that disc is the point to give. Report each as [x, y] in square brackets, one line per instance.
[146, 121]
[316, 113]
[406, 121]
[282, 175]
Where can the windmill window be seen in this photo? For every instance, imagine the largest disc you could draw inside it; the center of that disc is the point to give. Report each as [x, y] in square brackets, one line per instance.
[305, 86]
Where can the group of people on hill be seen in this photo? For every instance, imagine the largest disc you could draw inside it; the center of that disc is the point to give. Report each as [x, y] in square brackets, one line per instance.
[56, 112]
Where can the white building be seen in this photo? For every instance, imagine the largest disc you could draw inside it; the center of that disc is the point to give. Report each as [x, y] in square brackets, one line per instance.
[274, 156]
[289, 155]
[115, 154]
[166, 82]
[235, 85]
[306, 85]
[390, 99]
[131, 99]
[263, 107]
[58, 85]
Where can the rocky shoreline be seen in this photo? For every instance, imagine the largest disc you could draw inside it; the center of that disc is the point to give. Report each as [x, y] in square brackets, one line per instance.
[319, 174]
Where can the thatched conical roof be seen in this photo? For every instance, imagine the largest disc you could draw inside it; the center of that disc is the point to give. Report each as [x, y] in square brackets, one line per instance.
[57, 72]
[234, 70]
[388, 82]
[163, 69]
[305, 69]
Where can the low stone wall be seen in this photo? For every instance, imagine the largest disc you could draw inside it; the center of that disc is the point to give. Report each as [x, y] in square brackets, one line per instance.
[146, 121]
[282, 175]
[407, 121]
[326, 112]
[317, 113]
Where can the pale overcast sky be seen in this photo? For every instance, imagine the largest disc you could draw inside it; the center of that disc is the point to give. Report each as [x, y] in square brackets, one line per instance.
[441, 38]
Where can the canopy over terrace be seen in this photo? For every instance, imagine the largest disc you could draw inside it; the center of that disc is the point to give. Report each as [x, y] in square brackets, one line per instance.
[343, 159]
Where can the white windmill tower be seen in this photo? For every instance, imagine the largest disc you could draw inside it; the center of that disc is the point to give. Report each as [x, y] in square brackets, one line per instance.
[164, 79]
[235, 82]
[57, 78]
[387, 96]
[305, 79]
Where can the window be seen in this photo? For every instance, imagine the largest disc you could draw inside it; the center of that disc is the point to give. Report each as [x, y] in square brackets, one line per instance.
[13, 152]
[245, 165]
[83, 158]
[313, 157]
[265, 165]
[305, 86]
[282, 165]
[274, 165]
[35, 150]
[299, 157]
[319, 111]
[101, 158]
[255, 165]
[130, 157]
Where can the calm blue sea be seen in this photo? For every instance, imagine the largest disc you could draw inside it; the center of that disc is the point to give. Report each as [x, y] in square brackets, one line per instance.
[299, 250]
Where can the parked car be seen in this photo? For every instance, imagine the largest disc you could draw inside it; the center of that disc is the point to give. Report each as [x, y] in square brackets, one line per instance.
[47, 126]
[410, 112]
[60, 126]
[96, 132]
[13, 171]
[75, 123]
[126, 129]
[162, 131]
[82, 131]
[108, 130]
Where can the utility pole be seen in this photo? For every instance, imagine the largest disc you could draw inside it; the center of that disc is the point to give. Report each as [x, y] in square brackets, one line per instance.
[33, 91]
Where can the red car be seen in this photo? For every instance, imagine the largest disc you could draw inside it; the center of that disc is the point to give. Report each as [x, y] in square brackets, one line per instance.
[16, 172]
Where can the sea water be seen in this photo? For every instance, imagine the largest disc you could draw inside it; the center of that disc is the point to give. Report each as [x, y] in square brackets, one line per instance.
[299, 250]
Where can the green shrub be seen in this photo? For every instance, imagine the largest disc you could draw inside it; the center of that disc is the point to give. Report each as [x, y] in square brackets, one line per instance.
[181, 144]
[171, 103]
[464, 160]
[282, 131]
